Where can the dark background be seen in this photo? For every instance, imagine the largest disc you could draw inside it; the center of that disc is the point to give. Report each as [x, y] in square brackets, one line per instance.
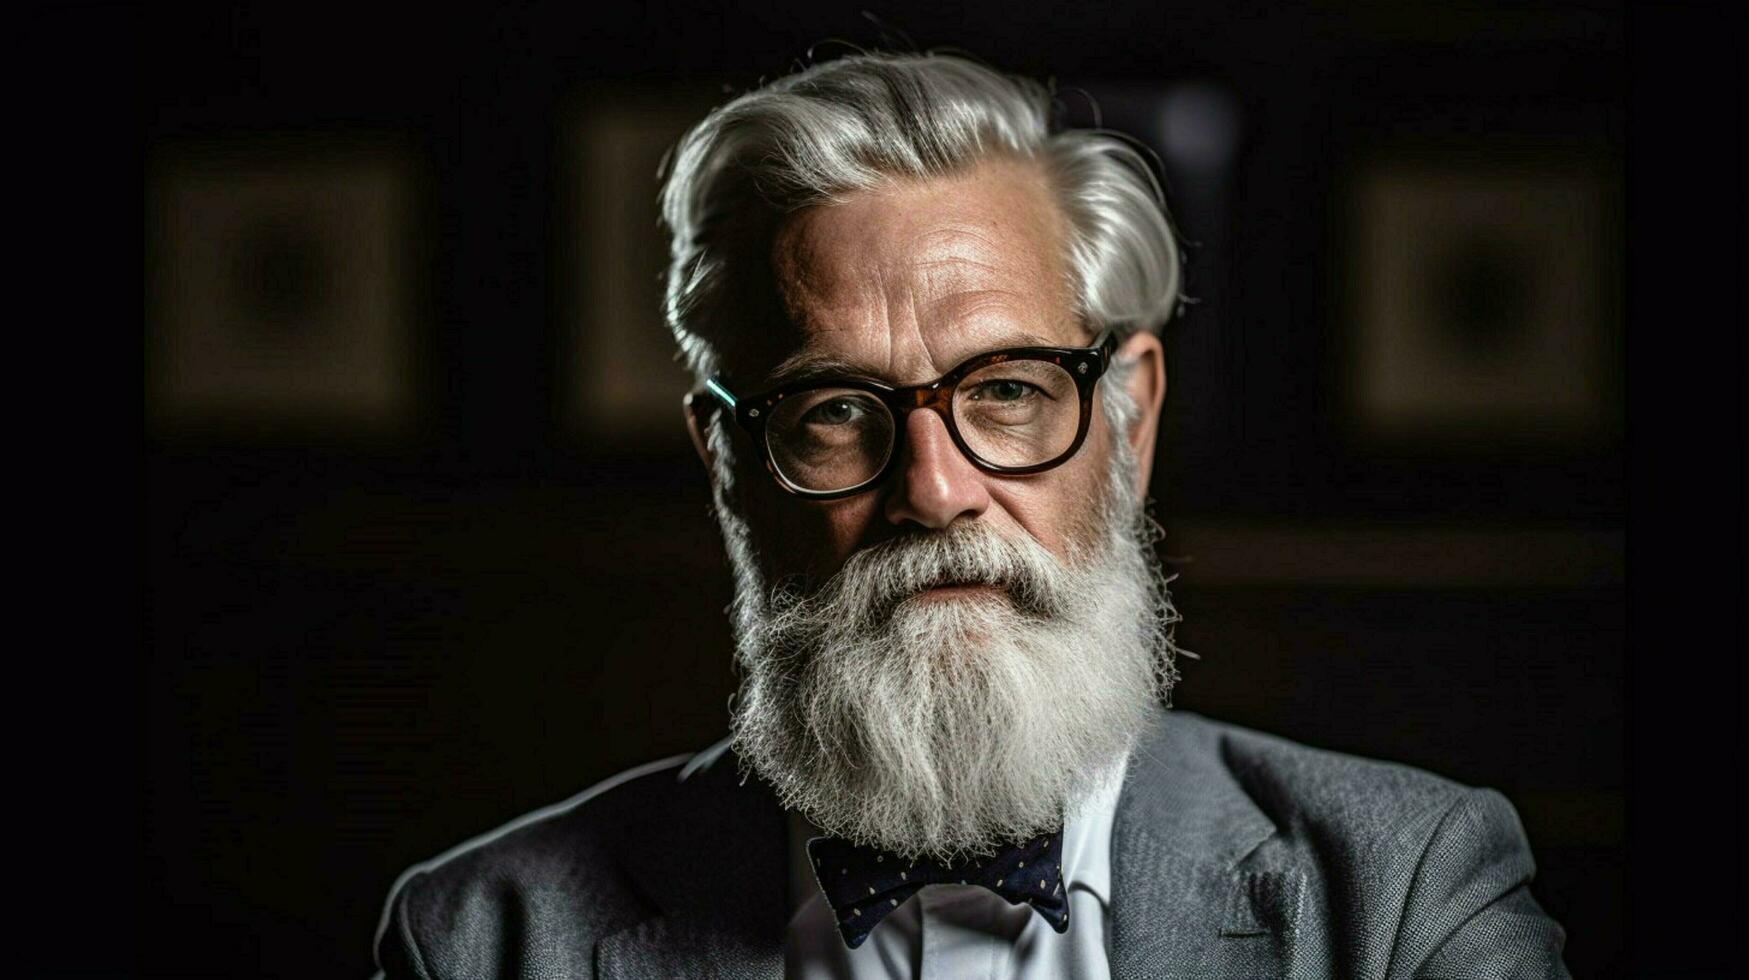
[368, 636]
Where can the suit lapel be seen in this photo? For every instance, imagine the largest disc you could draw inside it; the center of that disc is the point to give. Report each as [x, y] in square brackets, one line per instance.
[1181, 904]
[714, 868]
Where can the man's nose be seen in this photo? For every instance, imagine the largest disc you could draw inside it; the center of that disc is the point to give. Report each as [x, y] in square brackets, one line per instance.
[934, 483]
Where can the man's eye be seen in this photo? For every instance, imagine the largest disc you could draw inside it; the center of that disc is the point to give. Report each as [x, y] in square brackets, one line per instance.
[1004, 390]
[835, 411]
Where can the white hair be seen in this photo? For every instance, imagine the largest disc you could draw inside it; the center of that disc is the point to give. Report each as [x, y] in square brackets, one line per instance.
[860, 121]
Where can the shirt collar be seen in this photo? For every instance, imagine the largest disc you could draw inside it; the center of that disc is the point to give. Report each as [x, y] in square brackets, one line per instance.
[1087, 834]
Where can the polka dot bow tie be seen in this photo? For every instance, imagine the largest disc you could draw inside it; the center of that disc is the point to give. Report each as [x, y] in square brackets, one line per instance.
[863, 884]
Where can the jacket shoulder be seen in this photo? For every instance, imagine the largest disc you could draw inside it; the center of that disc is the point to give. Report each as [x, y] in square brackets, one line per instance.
[1406, 871]
[1303, 787]
[545, 885]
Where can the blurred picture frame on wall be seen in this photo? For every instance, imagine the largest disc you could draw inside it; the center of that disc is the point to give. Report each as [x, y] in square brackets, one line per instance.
[620, 381]
[281, 297]
[1484, 299]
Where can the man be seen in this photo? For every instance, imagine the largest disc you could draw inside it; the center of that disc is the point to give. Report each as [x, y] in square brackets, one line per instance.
[925, 331]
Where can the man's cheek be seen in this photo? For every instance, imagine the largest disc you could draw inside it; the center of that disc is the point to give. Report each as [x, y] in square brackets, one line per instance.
[1041, 509]
[851, 525]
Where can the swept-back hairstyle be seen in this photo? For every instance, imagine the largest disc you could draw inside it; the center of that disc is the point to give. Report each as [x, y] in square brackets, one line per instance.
[856, 122]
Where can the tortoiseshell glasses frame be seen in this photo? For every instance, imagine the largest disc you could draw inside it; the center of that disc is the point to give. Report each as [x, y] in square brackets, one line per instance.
[1084, 365]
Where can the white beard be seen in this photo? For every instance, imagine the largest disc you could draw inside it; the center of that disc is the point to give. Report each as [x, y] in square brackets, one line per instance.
[952, 726]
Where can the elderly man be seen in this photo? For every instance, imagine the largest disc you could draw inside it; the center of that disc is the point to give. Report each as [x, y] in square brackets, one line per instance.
[924, 327]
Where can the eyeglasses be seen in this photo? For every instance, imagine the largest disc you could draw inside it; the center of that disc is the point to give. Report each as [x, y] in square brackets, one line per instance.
[1015, 411]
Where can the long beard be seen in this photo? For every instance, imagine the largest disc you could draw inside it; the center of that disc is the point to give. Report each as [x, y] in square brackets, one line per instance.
[951, 726]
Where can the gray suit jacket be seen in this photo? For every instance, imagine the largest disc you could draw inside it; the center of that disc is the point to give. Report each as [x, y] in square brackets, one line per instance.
[1235, 854]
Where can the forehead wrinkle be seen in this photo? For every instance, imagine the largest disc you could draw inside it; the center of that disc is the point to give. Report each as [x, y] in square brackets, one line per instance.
[983, 305]
[907, 282]
[803, 285]
[943, 259]
[951, 243]
[817, 308]
[943, 329]
[966, 284]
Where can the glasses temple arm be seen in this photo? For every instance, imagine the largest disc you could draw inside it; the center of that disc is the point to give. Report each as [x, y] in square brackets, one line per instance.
[721, 394]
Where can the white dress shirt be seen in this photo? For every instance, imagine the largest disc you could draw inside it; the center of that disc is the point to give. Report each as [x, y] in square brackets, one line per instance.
[965, 931]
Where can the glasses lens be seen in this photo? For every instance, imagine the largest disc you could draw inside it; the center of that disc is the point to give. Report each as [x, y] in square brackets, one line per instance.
[1018, 413]
[829, 438]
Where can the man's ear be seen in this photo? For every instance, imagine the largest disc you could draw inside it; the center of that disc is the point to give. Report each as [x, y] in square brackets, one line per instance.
[695, 427]
[1146, 384]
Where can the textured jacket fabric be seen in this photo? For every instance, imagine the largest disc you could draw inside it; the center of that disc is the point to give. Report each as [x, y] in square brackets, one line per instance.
[1234, 854]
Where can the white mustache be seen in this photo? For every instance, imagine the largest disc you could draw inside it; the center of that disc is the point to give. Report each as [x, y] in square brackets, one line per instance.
[882, 576]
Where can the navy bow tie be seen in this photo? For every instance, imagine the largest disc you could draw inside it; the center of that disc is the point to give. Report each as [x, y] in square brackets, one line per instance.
[863, 884]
